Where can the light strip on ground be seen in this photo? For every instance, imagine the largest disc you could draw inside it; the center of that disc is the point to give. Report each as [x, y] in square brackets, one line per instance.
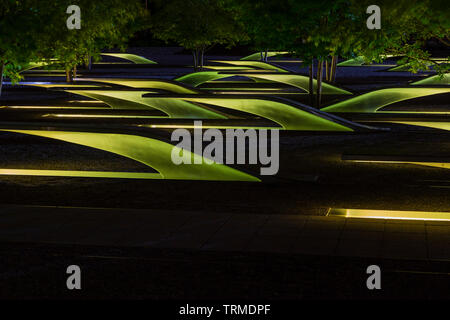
[442, 165]
[191, 126]
[80, 174]
[53, 107]
[390, 214]
[119, 116]
[429, 124]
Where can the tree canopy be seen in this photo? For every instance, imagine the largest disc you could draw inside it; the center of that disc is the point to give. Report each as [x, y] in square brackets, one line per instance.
[195, 25]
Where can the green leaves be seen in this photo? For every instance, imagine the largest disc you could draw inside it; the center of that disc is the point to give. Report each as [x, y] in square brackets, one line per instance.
[195, 24]
[35, 30]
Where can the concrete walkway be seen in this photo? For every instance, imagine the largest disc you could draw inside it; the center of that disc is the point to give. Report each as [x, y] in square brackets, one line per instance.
[293, 234]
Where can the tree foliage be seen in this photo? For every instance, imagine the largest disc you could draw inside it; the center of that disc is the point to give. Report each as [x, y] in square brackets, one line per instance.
[19, 31]
[36, 30]
[104, 24]
[195, 25]
[406, 25]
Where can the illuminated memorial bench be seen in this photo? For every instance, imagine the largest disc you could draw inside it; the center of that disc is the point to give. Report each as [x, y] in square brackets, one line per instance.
[295, 80]
[435, 80]
[359, 61]
[130, 57]
[257, 56]
[405, 67]
[151, 152]
[374, 101]
[289, 115]
[254, 64]
[167, 85]
[133, 100]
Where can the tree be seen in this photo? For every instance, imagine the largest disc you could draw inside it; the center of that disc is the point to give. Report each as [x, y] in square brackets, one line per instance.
[196, 25]
[19, 31]
[261, 22]
[104, 24]
[406, 25]
[320, 30]
[304, 28]
[36, 30]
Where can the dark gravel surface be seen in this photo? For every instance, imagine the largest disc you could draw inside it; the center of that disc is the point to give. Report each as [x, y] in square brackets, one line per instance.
[38, 271]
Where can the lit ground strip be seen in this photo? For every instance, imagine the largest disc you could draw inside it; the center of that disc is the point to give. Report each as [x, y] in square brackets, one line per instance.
[389, 214]
[373, 101]
[130, 57]
[247, 89]
[411, 112]
[84, 101]
[64, 85]
[191, 126]
[429, 124]
[80, 174]
[153, 153]
[54, 107]
[442, 165]
[256, 92]
[112, 116]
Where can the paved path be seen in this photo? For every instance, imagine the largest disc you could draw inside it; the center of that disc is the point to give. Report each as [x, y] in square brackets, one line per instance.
[294, 234]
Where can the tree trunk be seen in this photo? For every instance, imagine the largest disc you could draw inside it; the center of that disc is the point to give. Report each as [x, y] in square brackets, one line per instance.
[2, 67]
[330, 77]
[319, 84]
[74, 72]
[334, 68]
[68, 75]
[262, 55]
[265, 55]
[311, 84]
[327, 72]
[89, 63]
[194, 55]
[202, 54]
